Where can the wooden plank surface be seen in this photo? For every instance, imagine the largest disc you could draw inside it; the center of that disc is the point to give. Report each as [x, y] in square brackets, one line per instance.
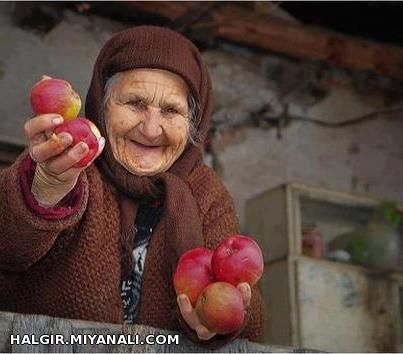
[19, 324]
[33, 325]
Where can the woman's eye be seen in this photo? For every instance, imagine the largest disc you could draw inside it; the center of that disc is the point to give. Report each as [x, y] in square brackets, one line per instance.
[170, 110]
[138, 104]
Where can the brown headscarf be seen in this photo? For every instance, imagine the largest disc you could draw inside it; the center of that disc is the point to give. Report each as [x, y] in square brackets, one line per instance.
[161, 48]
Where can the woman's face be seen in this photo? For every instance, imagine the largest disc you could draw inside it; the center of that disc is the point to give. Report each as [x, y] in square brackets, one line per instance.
[147, 120]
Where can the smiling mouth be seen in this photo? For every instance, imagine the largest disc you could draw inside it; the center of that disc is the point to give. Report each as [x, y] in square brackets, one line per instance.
[142, 146]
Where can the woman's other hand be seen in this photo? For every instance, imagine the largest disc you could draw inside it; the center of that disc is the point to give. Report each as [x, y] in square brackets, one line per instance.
[55, 175]
[192, 319]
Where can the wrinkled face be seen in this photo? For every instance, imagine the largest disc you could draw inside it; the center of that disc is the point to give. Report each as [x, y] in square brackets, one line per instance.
[147, 120]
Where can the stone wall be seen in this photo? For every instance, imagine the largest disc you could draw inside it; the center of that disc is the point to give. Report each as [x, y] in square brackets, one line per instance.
[254, 93]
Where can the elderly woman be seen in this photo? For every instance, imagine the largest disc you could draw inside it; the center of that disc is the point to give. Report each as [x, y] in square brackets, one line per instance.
[101, 242]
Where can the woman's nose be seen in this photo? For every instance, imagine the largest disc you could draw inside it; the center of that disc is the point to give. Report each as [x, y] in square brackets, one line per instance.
[151, 125]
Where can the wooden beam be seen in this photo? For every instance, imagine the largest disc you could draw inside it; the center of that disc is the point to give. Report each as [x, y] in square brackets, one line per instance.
[37, 325]
[267, 32]
[308, 42]
[171, 10]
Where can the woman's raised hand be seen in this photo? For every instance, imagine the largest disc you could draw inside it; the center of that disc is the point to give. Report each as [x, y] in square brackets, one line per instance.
[55, 175]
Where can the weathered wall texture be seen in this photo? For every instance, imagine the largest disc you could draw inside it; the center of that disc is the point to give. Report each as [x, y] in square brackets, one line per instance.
[363, 158]
[249, 88]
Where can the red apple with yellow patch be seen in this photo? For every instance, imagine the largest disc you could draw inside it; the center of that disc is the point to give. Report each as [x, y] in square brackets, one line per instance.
[82, 129]
[193, 273]
[55, 96]
[220, 308]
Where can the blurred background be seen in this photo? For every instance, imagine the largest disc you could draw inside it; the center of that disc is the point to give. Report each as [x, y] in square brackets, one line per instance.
[306, 134]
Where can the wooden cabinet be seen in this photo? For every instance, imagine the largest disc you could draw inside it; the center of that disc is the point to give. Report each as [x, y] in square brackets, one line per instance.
[317, 303]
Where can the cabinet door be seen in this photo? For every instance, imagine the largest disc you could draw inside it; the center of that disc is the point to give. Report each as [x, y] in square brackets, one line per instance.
[341, 308]
[398, 314]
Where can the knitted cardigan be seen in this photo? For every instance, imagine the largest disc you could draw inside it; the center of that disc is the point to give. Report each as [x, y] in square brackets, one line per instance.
[69, 265]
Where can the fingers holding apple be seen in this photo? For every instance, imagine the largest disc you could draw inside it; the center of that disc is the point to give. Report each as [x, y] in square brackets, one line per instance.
[246, 293]
[74, 144]
[86, 145]
[86, 137]
[192, 275]
[36, 131]
[220, 308]
[192, 319]
[61, 143]
[55, 177]
[214, 287]
[70, 162]
[48, 149]
[41, 125]
[57, 127]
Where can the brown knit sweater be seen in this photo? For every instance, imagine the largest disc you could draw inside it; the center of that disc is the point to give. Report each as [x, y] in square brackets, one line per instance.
[70, 267]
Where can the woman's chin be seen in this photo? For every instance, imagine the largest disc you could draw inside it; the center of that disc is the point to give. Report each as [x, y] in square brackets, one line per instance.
[139, 169]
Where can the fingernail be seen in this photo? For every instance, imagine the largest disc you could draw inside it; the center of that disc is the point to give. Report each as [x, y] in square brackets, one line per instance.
[66, 139]
[81, 148]
[102, 141]
[57, 120]
[182, 300]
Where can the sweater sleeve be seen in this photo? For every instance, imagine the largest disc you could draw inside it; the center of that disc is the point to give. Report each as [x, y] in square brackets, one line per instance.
[219, 222]
[28, 231]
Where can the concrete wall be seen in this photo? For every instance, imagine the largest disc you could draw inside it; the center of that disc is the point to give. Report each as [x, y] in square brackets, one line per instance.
[247, 151]
[363, 158]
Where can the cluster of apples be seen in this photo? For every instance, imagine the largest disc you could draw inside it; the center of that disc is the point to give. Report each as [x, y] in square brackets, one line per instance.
[57, 96]
[210, 278]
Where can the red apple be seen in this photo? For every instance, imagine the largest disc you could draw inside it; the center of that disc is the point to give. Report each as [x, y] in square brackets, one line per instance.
[82, 129]
[193, 273]
[55, 96]
[238, 259]
[220, 308]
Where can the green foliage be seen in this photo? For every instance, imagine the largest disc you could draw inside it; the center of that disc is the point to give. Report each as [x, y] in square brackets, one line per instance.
[391, 213]
[358, 247]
